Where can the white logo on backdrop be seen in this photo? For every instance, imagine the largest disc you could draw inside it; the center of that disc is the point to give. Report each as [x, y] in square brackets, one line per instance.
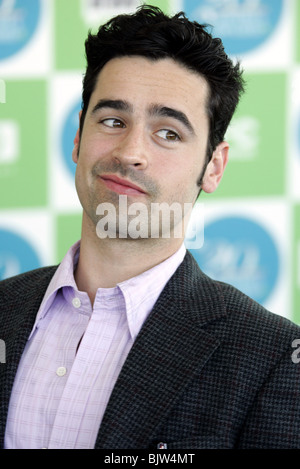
[243, 135]
[9, 141]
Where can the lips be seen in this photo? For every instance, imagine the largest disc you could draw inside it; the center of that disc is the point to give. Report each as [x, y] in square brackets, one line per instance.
[121, 186]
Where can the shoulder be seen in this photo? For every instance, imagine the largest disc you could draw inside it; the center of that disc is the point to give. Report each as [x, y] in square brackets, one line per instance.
[20, 298]
[264, 342]
[21, 288]
[241, 315]
[248, 313]
[33, 278]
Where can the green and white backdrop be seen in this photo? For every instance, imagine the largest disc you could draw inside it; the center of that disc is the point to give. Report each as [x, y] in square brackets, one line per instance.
[252, 222]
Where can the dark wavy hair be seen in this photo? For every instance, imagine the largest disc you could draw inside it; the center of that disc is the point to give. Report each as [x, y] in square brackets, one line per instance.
[150, 33]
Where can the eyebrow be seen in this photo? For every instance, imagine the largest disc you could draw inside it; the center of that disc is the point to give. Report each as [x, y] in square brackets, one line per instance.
[117, 104]
[154, 110]
[165, 111]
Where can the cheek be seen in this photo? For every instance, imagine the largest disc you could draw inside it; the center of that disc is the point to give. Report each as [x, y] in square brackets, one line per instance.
[189, 184]
[180, 186]
[93, 146]
[79, 178]
[180, 175]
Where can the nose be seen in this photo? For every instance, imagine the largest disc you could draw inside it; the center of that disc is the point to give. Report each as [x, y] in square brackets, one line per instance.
[131, 149]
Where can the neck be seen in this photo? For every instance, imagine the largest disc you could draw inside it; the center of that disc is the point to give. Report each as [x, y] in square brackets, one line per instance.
[103, 263]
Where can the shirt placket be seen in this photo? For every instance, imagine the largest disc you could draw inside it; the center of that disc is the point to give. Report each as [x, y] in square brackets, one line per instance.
[80, 379]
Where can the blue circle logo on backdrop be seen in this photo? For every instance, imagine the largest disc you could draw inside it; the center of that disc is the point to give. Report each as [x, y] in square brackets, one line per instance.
[18, 23]
[243, 25]
[241, 252]
[68, 134]
[16, 255]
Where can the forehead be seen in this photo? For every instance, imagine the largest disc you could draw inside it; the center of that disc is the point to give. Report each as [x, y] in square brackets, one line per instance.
[142, 82]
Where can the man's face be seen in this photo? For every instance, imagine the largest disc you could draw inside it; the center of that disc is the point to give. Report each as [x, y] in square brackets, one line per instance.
[145, 136]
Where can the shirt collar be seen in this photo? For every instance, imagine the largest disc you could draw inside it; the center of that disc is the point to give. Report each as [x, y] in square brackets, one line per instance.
[140, 293]
[63, 277]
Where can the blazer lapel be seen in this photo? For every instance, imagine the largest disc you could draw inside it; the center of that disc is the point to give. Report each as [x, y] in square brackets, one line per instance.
[169, 350]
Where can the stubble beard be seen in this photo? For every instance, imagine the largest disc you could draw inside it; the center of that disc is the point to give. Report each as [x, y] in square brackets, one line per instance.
[133, 222]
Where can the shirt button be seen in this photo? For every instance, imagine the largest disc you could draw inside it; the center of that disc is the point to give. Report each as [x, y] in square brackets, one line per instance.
[76, 302]
[61, 371]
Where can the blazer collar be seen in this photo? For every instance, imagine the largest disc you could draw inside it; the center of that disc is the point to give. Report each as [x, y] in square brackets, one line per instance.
[169, 350]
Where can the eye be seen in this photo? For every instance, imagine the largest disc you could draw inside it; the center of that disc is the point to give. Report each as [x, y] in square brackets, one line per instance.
[113, 123]
[169, 135]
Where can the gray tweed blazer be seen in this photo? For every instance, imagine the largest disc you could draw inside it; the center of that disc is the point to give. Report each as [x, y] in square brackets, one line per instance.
[210, 368]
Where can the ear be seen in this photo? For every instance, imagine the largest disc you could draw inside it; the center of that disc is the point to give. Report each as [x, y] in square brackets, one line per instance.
[215, 168]
[76, 143]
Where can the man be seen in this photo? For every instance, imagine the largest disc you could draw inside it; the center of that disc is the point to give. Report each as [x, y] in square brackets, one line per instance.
[127, 344]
